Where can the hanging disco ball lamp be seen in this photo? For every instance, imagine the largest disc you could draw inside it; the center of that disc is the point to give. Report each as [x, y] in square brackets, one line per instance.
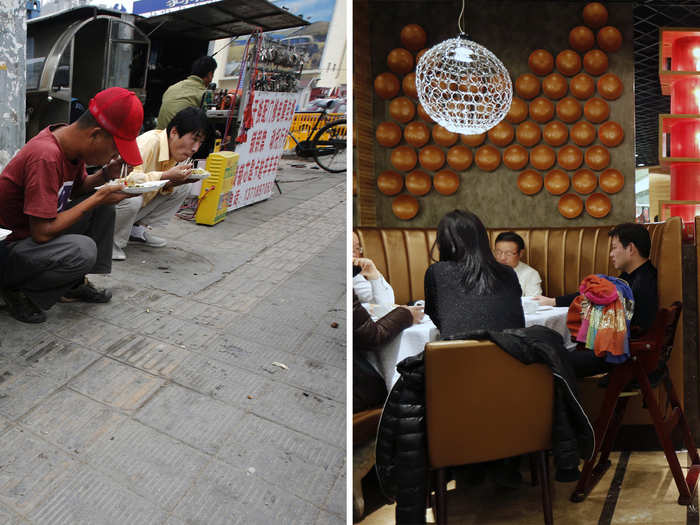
[463, 86]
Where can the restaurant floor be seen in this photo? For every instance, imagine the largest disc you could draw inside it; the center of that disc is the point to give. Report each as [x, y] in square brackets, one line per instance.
[209, 391]
[637, 488]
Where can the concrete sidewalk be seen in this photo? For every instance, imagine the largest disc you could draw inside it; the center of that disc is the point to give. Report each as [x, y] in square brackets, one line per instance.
[210, 390]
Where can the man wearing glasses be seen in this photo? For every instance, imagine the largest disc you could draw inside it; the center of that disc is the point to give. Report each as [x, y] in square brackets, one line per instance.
[510, 247]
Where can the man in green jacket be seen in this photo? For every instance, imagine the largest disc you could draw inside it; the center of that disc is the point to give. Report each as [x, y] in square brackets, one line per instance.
[187, 92]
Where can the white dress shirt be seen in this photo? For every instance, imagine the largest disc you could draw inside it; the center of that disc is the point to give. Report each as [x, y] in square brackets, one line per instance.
[376, 291]
[529, 279]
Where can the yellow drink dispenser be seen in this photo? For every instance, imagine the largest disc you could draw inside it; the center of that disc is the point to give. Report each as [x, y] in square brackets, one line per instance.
[214, 197]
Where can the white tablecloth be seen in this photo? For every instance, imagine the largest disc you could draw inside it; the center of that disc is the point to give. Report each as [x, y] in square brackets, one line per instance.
[412, 340]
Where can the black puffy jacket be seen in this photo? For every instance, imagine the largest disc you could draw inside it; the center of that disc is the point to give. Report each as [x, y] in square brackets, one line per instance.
[401, 440]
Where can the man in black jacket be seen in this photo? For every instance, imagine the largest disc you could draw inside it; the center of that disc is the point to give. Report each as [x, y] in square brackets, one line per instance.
[629, 252]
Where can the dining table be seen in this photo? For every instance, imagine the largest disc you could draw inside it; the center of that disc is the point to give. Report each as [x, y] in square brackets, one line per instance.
[412, 340]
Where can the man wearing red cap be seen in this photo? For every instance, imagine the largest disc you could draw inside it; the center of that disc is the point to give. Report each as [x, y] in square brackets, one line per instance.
[61, 228]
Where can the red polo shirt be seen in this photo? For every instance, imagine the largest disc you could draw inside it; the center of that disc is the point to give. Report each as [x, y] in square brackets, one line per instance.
[37, 182]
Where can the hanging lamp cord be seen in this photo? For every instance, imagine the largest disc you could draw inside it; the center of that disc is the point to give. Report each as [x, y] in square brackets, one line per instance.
[460, 24]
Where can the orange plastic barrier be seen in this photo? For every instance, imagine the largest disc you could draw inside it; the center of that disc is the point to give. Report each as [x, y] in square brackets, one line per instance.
[304, 122]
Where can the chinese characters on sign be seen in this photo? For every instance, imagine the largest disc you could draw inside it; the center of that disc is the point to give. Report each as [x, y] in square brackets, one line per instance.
[260, 153]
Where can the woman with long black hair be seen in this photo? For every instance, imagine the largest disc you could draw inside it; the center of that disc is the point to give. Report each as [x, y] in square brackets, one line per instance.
[468, 289]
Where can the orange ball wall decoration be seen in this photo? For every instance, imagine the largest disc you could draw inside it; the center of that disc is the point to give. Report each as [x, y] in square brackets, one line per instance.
[556, 182]
[473, 140]
[596, 110]
[541, 110]
[611, 134]
[403, 158]
[527, 86]
[582, 86]
[501, 134]
[459, 157]
[609, 39]
[598, 205]
[569, 110]
[555, 133]
[611, 180]
[597, 158]
[568, 62]
[400, 61]
[515, 157]
[530, 182]
[431, 158]
[446, 182]
[541, 62]
[569, 157]
[418, 182]
[554, 86]
[518, 111]
[595, 15]
[416, 133]
[443, 137]
[487, 158]
[581, 38]
[408, 84]
[542, 157]
[386, 85]
[584, 181]
[420, 54]
[413, 37]
[610, 86]
[402, 109]
[582, 133]
[389, 182]
[570, 205]
[405, 207]
[388, 134]
[422, 114]
[528, 133]
[595, 62]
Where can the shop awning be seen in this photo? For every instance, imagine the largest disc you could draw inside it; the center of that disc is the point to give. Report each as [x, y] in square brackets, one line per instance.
[211, 20]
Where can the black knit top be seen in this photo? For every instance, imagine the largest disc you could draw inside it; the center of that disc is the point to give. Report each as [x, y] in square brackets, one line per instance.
[454, 310]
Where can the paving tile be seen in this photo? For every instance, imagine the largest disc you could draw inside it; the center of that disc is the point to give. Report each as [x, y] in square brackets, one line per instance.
[89, 421]
[185, 334]
[47, 368]
[325, 349]
[194, 418]
[227, 496]
[222, 381]
[147, 354]
[241, 353]
[324, 518]
[95, 334]
[304, 411]
[266, 333]
[315, 376]
[84, 496]
[281, 456]
[31, 470]
[336, 496]
[116, 385]
[8, 517]
[150, 463]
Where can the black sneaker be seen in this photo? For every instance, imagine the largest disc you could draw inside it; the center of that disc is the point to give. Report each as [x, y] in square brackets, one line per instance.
[22, 307]
[87, 293]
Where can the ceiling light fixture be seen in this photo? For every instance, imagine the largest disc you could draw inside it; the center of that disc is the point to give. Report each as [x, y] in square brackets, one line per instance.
[462, 85]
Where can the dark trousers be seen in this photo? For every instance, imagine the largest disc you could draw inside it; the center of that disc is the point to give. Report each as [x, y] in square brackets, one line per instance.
[585, 363]
[45, 271]
[369, 389]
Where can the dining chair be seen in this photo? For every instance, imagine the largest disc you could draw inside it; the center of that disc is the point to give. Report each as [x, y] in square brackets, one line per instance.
[483, 404]
[364, 437]
[644, 370]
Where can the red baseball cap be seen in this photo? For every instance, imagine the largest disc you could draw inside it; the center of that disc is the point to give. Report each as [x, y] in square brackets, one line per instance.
[119, 112]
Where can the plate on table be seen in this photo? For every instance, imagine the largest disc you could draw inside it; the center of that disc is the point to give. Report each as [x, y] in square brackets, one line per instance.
[198, 174]
[142, 187]
[544, 308]
[4, 233]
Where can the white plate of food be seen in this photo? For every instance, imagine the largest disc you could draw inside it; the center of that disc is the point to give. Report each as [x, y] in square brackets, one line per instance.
[4, 233]
[198, 174]
[136, 188]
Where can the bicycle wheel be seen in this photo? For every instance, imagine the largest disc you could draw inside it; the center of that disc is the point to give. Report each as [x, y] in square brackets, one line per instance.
[330, 147]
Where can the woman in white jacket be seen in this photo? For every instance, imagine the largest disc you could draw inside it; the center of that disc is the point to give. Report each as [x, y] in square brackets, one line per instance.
[368, 284]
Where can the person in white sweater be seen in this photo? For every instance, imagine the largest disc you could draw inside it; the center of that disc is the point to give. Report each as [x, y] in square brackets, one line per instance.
[509, 249]
[368, 283]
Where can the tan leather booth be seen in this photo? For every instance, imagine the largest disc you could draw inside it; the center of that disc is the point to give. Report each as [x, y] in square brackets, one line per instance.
[562, 256]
